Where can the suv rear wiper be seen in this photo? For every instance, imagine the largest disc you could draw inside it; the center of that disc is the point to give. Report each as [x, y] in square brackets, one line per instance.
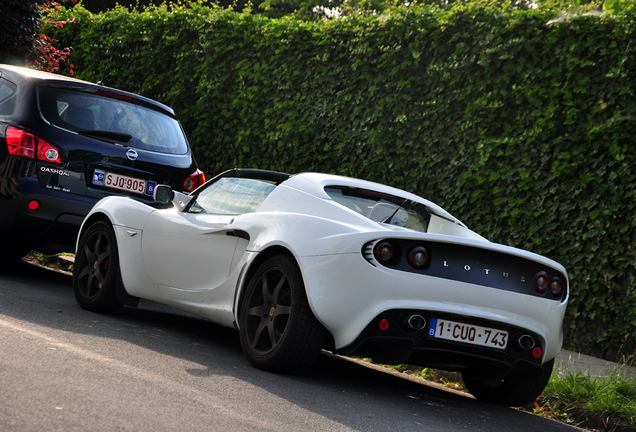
[109, 135]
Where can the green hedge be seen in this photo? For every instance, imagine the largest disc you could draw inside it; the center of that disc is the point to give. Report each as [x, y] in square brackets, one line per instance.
[518, 122]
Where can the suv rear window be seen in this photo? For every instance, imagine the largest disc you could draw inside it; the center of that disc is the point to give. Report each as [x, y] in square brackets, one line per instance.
[108, 118]
[382, 208]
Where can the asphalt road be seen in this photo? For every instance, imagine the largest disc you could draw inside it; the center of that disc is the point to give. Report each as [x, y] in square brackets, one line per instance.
[155, 369]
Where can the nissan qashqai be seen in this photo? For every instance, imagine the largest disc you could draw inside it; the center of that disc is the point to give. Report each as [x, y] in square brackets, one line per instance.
[66, 143]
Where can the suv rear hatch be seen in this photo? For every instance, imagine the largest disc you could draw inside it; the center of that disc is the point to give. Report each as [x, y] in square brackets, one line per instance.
[111, 142]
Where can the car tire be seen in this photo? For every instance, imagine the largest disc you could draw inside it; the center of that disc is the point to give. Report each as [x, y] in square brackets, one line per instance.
[96, 269]
[278, 331]
[510, 391]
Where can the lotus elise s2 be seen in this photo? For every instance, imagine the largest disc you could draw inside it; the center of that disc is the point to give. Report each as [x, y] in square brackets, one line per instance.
[306, 262]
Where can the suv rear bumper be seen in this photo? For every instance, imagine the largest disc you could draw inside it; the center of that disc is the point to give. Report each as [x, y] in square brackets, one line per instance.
[52, 226]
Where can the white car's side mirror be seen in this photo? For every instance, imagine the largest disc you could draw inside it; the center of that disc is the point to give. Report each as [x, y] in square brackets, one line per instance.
[165, 195]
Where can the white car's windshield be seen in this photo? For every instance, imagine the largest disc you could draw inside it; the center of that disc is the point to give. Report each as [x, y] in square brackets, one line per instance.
[231, 195]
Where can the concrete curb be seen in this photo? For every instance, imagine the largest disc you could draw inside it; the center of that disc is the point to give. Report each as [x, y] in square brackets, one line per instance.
[595, 367]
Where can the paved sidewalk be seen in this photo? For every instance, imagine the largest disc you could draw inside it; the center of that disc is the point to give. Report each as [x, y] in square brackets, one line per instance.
[568, 360]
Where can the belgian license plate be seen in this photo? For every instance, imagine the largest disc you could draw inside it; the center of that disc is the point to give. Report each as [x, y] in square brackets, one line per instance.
[468, 333]
[121, 182]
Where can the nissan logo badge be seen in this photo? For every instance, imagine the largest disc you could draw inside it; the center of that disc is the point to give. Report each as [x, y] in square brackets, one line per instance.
[132, 154]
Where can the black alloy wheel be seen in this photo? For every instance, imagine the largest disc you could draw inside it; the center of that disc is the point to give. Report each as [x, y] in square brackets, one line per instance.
[96, 269]
[279, 332]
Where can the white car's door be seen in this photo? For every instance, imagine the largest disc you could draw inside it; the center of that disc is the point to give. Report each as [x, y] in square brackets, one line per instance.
[188, 251]
[191, 251]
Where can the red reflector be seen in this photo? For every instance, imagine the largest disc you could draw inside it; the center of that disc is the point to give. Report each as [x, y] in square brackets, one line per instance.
[536, 352]
[33, 205]
[383, 324]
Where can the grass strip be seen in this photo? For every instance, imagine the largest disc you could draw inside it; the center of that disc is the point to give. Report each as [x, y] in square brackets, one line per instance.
[606, 403]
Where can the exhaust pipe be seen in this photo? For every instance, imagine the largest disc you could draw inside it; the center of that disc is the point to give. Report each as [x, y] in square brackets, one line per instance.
[525, 342]
[416, 322]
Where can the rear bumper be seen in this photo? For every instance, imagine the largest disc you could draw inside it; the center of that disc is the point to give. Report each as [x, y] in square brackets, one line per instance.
[402, 344]
[347, 295]
[52, 226]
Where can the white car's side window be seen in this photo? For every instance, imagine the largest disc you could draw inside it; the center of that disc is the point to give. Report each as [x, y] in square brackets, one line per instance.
[230, 195]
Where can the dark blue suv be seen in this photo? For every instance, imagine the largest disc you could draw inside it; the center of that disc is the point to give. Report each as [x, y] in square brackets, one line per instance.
[66, 143]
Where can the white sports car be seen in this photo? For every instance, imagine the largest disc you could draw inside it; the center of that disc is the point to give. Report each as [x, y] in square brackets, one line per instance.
[305, 262]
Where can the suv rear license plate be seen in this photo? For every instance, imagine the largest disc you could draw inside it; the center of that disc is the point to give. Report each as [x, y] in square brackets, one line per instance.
[117, 181]
[468, 333]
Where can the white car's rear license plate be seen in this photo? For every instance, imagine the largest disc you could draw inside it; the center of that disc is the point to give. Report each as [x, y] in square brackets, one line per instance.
[468, 333]
[117, 181]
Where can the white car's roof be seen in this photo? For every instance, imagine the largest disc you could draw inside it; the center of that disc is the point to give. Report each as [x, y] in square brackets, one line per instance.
[315, 183]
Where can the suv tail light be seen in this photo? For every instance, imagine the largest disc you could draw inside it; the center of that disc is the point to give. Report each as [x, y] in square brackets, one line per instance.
[194, 181]
[23, 144]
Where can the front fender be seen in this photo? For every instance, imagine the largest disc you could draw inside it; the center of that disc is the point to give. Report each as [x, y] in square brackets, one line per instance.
[127, 217]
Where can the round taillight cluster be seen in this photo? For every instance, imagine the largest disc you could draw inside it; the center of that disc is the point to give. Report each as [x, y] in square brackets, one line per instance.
[556, 286]
[384, 252]
[542, 282]
[418, 257]
[388, 253]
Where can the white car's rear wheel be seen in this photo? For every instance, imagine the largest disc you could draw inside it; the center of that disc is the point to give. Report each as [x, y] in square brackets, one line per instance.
[279, 333]
[96, 269]
[513, 391]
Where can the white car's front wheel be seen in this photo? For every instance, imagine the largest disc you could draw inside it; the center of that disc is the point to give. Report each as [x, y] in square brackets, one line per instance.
[96, 269]
[279, 333]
